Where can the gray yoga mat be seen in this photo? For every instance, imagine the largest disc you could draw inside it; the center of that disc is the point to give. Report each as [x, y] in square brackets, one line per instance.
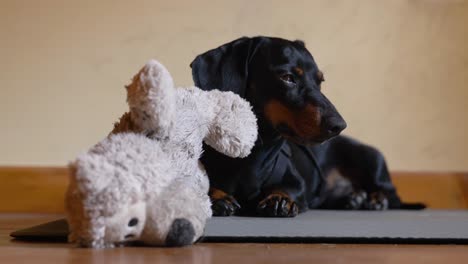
[317, 226]
[425, 226]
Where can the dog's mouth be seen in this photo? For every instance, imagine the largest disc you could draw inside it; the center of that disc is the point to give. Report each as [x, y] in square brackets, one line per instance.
[289, 133]
[305, 126]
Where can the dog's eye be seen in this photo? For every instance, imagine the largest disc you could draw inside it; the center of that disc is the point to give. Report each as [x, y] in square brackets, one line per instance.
[287, 78]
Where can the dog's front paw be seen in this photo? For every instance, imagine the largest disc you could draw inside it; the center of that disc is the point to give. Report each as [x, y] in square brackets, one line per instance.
[376, 201]
[362, 200]
[222, 203]
[356, 200]
[277, 205]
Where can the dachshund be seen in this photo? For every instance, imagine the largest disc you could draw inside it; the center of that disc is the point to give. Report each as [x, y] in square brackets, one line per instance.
[300, 161]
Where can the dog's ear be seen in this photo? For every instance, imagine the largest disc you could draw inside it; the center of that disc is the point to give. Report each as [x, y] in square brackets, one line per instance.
[300, 42]
[225, 68]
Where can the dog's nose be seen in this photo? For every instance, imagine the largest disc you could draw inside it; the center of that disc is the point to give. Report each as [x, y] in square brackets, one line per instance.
[334, 126]
[180, 234]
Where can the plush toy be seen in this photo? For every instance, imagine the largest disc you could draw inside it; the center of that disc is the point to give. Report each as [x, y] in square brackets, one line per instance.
[144, 182]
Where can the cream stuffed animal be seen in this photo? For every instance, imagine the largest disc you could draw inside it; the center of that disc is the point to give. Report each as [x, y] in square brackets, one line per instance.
[144, 182]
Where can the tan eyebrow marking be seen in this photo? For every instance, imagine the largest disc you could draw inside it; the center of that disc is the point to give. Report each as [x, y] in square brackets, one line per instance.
[299, 71]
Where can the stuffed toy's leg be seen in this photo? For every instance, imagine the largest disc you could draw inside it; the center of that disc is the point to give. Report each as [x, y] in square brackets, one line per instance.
[151, 98]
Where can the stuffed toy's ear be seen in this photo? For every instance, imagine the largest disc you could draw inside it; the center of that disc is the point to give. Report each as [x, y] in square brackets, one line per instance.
[233, 131]
[226, 68]
[151, 98]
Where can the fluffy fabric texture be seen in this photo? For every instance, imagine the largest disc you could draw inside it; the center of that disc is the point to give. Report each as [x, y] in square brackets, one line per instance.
[146, 174]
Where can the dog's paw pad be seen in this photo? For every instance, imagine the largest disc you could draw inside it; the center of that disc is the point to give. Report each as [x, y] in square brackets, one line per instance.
[277, 205]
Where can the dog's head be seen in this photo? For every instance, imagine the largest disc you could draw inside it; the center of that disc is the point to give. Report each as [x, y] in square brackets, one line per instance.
[281, 80]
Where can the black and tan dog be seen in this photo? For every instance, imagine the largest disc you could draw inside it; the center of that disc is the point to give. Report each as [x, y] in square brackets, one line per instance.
[298, 151]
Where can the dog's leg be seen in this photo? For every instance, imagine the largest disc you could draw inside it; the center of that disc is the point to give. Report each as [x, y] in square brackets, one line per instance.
[367, 170]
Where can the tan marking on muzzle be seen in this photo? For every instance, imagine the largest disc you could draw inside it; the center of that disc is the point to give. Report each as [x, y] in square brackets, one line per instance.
[304, 122]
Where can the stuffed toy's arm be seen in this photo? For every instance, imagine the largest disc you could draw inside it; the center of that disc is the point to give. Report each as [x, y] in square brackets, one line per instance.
[233, 130]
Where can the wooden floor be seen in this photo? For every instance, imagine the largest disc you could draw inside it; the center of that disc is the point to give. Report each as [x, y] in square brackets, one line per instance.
[204, 253]
[26, 190]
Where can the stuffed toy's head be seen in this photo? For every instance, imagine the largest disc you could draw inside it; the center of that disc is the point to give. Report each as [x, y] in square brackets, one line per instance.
[144, 182]
[125, 190]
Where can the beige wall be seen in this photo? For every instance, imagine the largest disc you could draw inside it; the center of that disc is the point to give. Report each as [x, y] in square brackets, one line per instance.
[397, 70]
